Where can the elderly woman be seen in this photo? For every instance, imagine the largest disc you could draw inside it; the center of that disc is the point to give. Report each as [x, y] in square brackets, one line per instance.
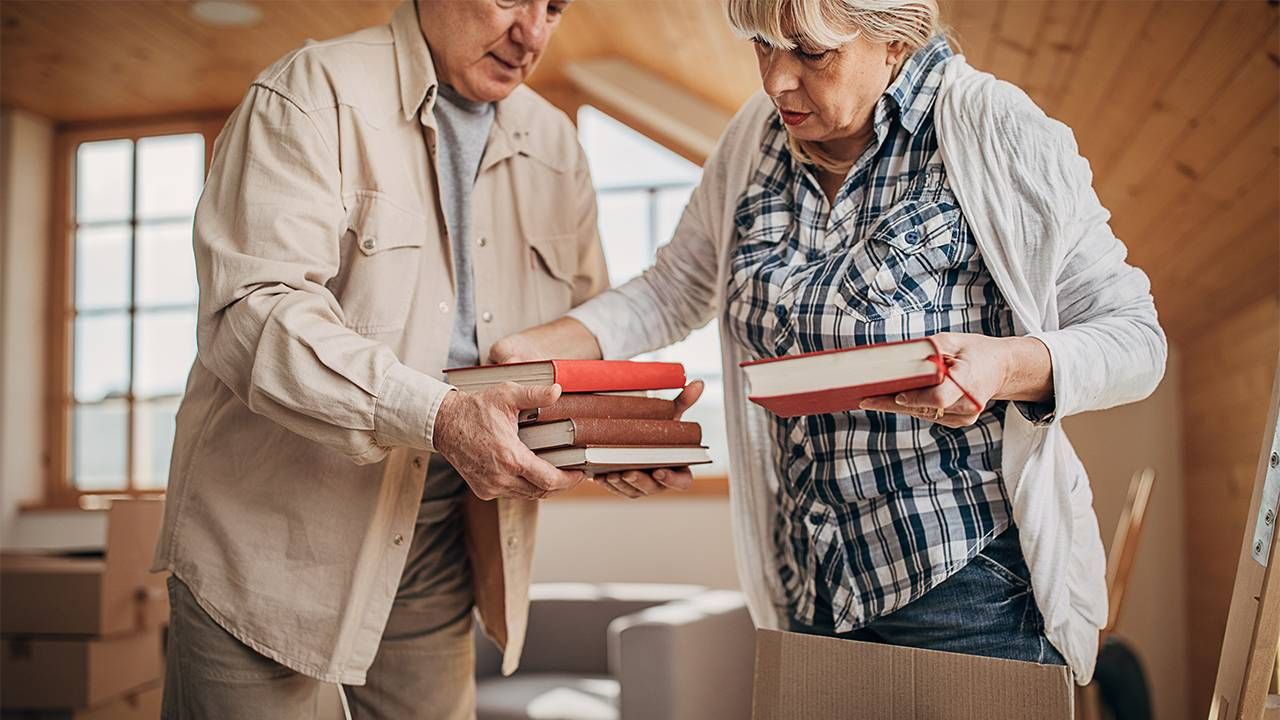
[881, 189]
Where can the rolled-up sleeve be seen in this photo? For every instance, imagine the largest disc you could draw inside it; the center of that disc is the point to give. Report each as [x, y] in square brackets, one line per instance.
[267, 236]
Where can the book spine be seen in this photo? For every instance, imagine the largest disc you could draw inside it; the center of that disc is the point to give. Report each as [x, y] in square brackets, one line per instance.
[600, 376]
[611, 407]
[596, 431]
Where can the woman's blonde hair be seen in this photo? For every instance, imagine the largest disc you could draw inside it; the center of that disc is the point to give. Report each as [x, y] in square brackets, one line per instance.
[826, 24]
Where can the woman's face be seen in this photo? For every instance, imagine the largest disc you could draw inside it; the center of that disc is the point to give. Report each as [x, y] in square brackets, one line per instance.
[828, 96]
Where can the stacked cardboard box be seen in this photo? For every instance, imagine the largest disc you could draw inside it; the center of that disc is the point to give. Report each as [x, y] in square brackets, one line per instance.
[81, 634]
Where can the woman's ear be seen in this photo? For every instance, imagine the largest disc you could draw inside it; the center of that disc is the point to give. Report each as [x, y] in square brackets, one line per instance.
[896, 50]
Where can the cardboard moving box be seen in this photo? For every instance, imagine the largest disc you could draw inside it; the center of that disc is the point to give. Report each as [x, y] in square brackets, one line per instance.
[72, 595]
[142, 704]
[76, 672]
[804, 677]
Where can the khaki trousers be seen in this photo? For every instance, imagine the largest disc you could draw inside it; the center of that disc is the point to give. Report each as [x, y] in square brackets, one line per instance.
[425, 666]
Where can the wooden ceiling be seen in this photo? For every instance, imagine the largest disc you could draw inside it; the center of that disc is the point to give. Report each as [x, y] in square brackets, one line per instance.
[1173, 101]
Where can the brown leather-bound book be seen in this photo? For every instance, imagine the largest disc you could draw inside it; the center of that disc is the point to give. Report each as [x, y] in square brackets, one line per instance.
[610, 407]
[599, 431]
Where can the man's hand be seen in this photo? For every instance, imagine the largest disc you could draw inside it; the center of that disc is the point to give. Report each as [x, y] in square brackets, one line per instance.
[990, 368]
[476, 433]
[639, 483]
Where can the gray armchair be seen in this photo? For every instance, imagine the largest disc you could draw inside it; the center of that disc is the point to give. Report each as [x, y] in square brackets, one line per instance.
[624, 652]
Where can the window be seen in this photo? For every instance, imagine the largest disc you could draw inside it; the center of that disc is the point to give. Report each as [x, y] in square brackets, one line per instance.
[128, 340]
[642, 189]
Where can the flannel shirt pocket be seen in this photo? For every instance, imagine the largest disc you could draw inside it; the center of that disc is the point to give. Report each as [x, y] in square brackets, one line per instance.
[899, 267]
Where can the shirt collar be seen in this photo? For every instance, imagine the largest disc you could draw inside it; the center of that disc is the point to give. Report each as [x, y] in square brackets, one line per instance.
[413, 60]
[910, 96]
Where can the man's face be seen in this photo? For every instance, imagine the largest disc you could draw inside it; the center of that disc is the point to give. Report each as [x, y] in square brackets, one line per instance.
[485, 48]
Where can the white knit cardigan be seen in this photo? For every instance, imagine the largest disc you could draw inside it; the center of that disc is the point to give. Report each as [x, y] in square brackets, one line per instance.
[1028, 198]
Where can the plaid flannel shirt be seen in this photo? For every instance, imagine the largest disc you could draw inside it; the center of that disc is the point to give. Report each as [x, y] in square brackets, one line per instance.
[874, 508]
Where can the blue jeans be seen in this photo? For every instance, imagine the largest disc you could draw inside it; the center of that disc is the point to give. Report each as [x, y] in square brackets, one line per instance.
[985, 608]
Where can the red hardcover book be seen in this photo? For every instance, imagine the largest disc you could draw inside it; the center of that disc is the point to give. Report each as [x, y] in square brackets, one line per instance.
[573, 375]
[837, 380]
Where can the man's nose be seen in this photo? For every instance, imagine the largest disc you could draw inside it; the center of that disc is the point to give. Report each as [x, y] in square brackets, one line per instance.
[531, 30]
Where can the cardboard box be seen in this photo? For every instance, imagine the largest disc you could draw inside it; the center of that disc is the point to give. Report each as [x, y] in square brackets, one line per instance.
[804, 677]
[77, 595]
[76, 673]
[141, 704]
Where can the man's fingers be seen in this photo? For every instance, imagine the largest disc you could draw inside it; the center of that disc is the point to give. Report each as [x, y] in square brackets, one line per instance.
[528, 397]
[547, 476]
[688, 397]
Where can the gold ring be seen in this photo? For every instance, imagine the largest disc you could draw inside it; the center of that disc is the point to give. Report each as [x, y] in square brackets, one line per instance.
[938, 413]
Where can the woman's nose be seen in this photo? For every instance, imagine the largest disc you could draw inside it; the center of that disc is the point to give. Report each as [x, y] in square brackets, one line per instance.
[778, 74]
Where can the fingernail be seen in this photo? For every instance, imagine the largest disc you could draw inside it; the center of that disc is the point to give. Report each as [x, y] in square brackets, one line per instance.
[901, 399]
[862, 404]
[660, 475]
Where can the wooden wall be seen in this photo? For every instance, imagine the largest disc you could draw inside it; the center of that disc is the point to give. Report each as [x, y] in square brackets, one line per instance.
[1226, 383]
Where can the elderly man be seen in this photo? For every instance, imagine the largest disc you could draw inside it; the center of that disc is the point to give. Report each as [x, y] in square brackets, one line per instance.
[379, 207]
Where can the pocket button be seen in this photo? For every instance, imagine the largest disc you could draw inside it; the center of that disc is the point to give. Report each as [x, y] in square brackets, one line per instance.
[370, 243]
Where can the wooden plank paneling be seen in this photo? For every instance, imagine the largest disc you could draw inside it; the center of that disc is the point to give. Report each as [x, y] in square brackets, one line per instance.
[1149, 64]
[1100, 62]
[1059, 39]
[1226, 382]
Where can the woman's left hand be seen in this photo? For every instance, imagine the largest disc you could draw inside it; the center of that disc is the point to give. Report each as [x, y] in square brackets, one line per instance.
[989, 368]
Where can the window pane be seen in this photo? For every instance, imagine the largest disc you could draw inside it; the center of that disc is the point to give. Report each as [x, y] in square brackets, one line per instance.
[153, 426]
[670, 207]
[165, 348]
[624, 232]
[700, 352]
[170, 173]
[104, 180]
[620, 156]
[101, 354]
[98, 446]
[166, 265]
[103, 267]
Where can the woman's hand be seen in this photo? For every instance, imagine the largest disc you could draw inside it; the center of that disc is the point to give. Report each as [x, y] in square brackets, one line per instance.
[989, 368]
[639, 483]
[564, 338]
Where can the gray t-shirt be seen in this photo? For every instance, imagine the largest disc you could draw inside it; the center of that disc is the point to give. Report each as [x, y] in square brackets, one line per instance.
[463, 131]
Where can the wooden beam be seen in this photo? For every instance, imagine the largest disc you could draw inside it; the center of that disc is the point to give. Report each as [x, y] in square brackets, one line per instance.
[669, 114]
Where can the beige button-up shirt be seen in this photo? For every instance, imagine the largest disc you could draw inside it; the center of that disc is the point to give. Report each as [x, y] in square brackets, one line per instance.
[326, 305]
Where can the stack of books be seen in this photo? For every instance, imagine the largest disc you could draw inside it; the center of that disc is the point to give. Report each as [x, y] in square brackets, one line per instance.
[606, 419]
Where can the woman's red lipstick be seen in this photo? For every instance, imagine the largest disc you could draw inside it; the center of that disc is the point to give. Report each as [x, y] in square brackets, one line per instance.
[792, 118]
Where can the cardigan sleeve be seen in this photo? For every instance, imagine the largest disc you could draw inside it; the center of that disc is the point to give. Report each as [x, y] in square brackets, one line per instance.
[1108, 348]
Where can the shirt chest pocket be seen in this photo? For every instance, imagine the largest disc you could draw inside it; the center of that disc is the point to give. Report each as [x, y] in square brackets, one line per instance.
[553, 261]
[900, 266]
[381, 262]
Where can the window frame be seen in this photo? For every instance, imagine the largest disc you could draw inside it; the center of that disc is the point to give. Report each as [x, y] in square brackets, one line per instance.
[59, 492]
